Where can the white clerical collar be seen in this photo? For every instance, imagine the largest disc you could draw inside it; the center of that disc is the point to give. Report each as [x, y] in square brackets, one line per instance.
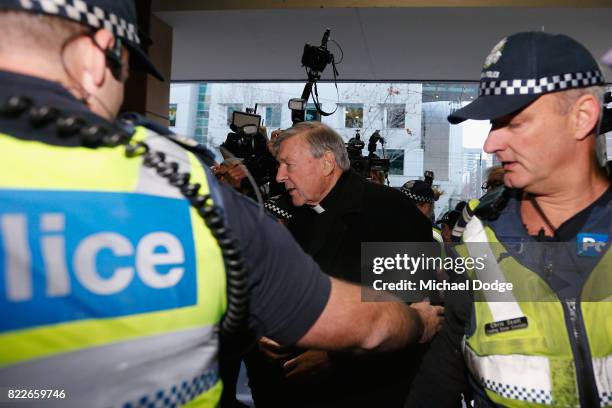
[318, 209]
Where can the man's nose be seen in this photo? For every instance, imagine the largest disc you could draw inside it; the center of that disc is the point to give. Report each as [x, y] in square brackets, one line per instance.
[281, 174]
[495, 141]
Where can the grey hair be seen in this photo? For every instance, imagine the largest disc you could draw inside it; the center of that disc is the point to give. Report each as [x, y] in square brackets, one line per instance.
[320, 137]
[567, 98]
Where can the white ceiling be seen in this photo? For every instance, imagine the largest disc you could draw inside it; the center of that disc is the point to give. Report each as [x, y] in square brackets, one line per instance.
[378, 43]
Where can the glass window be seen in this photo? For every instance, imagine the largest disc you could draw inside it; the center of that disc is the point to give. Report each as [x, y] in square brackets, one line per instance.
[396, 160]
[396, 116]
[443, 91]
[353, 116]
[273, 116]
[312, 114]
[230, 109]
[172, 114]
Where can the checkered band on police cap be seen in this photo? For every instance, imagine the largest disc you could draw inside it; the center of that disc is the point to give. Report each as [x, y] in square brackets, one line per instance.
[418, 191]
[277, 211]
[536, 86]
[89, 13]
[524, 66]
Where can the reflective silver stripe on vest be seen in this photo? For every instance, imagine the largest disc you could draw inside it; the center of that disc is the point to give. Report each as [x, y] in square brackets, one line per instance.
[603, 376]
[149, 182]
[114, 374]
[437, 236]
[514, 376]
[505, 305]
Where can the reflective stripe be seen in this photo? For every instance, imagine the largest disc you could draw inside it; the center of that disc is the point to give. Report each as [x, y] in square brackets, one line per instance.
[436, 235]
[107, 375]
[505, 307]
[603, 377]
[180, 393]
[149, 182]
[514, 376]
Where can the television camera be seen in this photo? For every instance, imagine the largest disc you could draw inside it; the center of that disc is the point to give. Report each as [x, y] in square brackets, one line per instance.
[364, 165]
[248, 143]
[315, 59]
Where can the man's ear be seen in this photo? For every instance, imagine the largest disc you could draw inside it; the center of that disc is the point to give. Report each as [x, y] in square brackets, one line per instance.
[585, 115]
[94, 69]
[329, 162]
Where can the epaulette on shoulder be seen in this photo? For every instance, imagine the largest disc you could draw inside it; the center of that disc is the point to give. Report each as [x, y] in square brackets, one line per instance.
[194, 147]
[491, 204]
[134, 119]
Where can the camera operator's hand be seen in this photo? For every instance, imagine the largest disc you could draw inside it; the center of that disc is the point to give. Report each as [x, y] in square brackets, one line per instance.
[432, 318]
[273, 136]
[231, 173]
[236, 174]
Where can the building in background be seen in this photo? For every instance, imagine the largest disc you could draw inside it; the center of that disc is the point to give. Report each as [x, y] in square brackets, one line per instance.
[443, 152]
[476, 165]
[410, 116]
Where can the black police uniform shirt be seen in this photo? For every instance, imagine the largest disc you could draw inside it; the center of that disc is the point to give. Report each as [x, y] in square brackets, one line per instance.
[444, 367]
[287, 291]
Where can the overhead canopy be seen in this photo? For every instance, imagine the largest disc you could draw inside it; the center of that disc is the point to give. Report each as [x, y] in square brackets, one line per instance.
[416, 43]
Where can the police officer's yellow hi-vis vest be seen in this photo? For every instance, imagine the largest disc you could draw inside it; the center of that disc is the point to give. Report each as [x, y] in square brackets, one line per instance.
[111, 285]
[524, 353]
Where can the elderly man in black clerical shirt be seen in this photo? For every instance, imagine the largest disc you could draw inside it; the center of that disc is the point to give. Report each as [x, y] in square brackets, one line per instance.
[337, 210]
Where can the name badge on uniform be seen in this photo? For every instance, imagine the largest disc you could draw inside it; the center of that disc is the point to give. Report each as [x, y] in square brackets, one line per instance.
[591, 244]
[506, 325]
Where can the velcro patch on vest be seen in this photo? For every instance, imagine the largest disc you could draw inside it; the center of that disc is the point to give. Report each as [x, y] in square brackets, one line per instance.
[591, 244]
[506, 325]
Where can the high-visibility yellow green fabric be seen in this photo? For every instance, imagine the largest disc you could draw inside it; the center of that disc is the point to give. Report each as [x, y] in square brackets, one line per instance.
[33, 166]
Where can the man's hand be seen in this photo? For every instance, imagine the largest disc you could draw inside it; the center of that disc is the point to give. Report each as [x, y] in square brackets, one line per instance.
[273, 350]
[236, 174]
[231, 172]
[307, 364]
[432, 318]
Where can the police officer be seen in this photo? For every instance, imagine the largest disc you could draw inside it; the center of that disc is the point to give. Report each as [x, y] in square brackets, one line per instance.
[115, 246]
[423, 196]
[543, 343]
